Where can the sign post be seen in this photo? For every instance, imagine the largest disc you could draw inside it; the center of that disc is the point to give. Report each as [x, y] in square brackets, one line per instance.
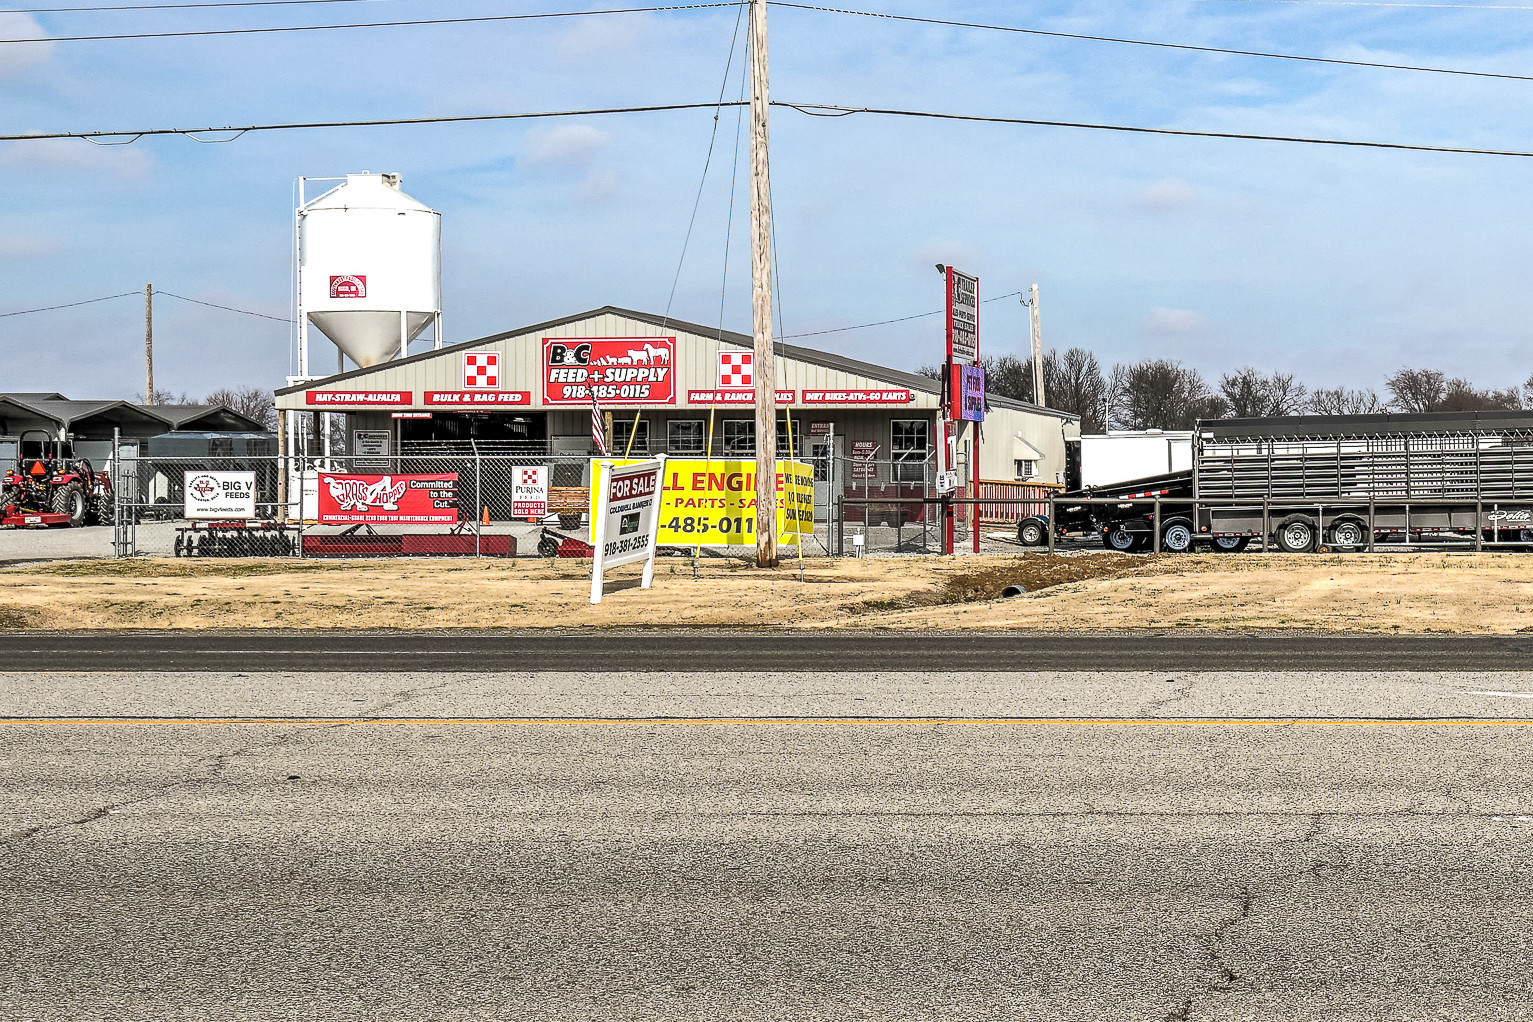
[627, 518]
[962, 364]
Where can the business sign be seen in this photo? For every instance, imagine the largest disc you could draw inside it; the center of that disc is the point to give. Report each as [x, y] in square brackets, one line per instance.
[350, 398]
[624, 370]
[962, 318]
[347, 285]
[733, 397]
[1519, 519]
[478, 398]
[864, 467]
[370, 448]
[624, 517]
[968, 403]
[737, 369]
[388, 499]
[821, 428]
[481, 370]
[220, 496]
[713, 503]
[858, 397]
[529, 491]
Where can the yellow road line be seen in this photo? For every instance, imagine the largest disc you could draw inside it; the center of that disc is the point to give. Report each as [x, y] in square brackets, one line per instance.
[752, 722]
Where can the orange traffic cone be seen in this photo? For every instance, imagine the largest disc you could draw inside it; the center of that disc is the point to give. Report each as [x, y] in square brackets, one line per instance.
[484, 518]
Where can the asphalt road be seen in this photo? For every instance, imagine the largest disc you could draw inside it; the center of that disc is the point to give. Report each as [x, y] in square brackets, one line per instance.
[681, 650]
[660, 843]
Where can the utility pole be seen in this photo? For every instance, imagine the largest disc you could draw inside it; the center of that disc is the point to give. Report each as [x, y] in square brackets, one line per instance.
[148, 344]
[761, 297]
[1037, 336]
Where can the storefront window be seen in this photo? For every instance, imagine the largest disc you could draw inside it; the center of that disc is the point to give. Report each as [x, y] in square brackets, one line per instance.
[621, 428]
[739, 437]
[685, 436]
[910, 446]
[785, 449]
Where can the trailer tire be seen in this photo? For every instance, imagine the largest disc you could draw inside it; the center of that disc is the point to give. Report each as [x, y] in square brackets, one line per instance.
[1296, 534]
[1031, 533]
[1116, 537]
[1348, 536]
[70, 500]
[1176, 538]
[1231, 544]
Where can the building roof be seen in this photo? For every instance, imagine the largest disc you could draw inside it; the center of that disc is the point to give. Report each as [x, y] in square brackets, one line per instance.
[65, 413]
[899, 377]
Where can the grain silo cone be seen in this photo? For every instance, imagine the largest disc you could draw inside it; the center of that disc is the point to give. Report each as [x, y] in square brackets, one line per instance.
[369, 267]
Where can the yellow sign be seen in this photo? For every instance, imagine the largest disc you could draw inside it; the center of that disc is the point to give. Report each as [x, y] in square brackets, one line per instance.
[713, 503]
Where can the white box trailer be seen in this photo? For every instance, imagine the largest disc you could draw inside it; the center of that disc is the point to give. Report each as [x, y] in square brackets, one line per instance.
[1123, 455]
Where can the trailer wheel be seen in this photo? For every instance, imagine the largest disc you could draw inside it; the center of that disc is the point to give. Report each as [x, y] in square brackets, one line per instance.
[1296, 535]
[1231, 544]
[1348, 536]
[1030, 533]
[1116, 537]
[1176, 538]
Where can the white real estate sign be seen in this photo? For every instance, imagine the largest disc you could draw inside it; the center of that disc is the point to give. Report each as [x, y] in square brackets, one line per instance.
[627, 517]
[219, 496]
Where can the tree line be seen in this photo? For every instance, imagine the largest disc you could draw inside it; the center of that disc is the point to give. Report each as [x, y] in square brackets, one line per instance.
[1164, 394]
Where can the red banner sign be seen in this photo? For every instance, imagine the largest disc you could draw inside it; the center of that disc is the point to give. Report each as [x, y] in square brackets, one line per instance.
[622, 370]
[388, 499]
[478, 397]
[857, 397]
[733, 397]
[344, 398]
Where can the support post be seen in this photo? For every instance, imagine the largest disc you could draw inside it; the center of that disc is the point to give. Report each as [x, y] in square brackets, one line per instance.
[974, 486]
[1036, 332]
[761, 295]
[148, 344]
[283, 468]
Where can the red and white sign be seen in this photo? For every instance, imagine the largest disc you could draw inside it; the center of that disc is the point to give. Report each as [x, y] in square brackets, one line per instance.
[346, 285]
[529, 491]
[350, 398]
[410, 415]
[857, 397]
[733, 397]
[481, 370]
[478, 397]
[388, 499]
[621, 370]
[737, 369]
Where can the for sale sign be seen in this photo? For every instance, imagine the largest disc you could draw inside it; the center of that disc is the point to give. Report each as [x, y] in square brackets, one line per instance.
[713, 503]
[388, 499]
[220, 496]
[625, 517]
[622, 370]
[529, 491]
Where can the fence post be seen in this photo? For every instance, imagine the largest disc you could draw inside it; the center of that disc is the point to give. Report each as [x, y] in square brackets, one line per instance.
[1266, 524]
[1479, 534]
[479, 499]
[1051, 521]
[840, 505]
[1156, 525]
[302, 524]
[1370, 523]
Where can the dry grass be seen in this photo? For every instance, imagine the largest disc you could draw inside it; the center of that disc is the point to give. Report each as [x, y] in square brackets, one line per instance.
[1488, 593]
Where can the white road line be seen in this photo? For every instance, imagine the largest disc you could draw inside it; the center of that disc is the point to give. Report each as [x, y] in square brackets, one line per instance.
[1509, 695]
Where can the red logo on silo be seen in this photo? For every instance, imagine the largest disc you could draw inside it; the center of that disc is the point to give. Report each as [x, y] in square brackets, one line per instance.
[348, 286]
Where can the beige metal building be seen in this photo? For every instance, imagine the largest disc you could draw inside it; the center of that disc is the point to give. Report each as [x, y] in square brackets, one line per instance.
[669, 384]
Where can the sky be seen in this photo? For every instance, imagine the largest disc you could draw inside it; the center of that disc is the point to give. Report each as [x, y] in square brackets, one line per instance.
[1337, 264]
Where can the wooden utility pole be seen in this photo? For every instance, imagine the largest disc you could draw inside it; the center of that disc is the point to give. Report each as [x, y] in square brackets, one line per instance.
[1037, 337]
[761, 297]
[148, 344]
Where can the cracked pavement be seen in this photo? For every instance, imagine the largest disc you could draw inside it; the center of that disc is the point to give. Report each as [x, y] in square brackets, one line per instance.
[1093, 870]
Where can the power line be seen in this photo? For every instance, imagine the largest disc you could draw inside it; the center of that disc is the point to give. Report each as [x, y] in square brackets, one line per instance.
[826, 110]
[226, 308]
[71, 305]
[370, 24]
[811, 109]
[886, 322]
[1156, 44]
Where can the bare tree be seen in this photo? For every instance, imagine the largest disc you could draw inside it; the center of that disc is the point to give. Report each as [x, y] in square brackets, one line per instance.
[166, 397]
[1460, 395]
[252, 402]
[1341, 401]
[1073, 382]
[1417, 390]
[1250, 394]
[1162, 394]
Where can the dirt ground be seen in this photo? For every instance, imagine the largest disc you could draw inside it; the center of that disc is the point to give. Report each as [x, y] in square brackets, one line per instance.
[1419, 592]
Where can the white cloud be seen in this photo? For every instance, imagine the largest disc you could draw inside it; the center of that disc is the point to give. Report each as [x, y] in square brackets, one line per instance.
[1166, 194]
[571, 145]
[17, 58]
[1168, 323]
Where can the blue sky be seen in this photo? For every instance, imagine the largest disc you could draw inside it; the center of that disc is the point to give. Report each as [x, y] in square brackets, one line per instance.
[1339, 265]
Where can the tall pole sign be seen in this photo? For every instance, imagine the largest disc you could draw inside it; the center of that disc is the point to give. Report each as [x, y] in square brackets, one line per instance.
[761, 296]
[965, 380]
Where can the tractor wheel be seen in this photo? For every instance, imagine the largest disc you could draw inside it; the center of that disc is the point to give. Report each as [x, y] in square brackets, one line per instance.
[70, 500]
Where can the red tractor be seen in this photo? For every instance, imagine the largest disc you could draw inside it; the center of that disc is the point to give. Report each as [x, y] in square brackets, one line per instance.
[49, 486]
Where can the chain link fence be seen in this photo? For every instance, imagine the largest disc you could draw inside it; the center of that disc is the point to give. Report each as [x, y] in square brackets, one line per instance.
[454, 503]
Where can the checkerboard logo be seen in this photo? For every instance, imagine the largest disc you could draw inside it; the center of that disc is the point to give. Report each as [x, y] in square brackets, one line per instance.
[737, 369]
[481, 370]
[530, 476]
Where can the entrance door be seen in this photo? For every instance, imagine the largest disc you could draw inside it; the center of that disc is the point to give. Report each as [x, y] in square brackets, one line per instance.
[827, 472]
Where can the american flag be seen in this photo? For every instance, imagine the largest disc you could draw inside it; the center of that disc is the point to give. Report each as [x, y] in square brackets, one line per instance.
[598, 430]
